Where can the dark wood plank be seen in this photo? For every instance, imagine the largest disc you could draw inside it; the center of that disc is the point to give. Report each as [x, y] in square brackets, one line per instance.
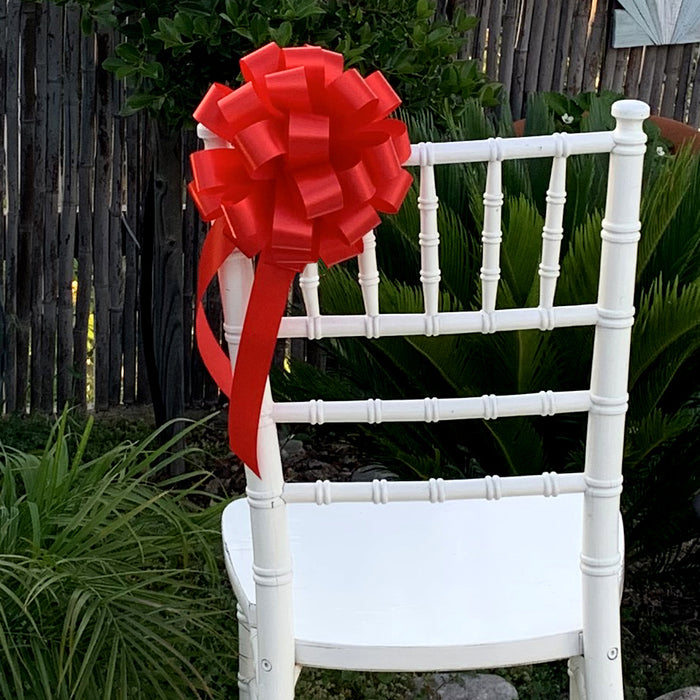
[101, 220]
[13, 194]
[115, 262]
[69, 204]
[86, 169]
[54, 48]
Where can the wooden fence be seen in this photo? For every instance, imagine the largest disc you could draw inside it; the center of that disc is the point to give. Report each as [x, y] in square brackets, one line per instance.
[565, 46]
[99, 245]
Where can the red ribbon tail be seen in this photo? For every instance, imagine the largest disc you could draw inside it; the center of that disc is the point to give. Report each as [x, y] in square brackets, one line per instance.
[267, 304]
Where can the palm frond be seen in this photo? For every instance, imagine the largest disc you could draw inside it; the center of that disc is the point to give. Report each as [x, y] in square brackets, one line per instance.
[660, 203]
[668, 313]
[580, 264]
[520, 251]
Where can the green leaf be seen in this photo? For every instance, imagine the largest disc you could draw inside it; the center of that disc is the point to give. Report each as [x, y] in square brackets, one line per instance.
[183, 23]
[114, 64]
[283, 34]
[128, 53]
[423, 9]
[245, 33]
[168, 33]
[153, 70]
[141, 100]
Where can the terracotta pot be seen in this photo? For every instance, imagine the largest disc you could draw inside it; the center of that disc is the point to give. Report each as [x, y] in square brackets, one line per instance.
[678, 133]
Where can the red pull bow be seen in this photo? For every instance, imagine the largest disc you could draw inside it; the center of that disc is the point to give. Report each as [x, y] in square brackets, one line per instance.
[312, 159]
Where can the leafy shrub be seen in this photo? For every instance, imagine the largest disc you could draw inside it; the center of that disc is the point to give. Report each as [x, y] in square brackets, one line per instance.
[109, 584]
[30, 432]
[173, 51]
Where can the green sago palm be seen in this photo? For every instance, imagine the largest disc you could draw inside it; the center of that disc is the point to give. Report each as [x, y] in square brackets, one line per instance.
[666, 334]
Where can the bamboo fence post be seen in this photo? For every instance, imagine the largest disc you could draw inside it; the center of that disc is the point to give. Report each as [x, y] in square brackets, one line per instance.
[115, 274]
[103, 187]
[482, 30]
[163, 333]
[574, 79]
[505, 65]
[672, 86]
[86, 170]
[647, 75]
[680, 107]
[3, 120]
[621, 60]
[161, 290]
[657, 81]
[471, 8]
[634, 68]
[534, 51]
[37, 354]
[517, 92]
[494, 46]
[145, 237]
[563, 44]
[12, 226]
[69, 204]
[54, 48]
[131, 245]
[549, 47]
[694, 108]
[607, 75]
[595, 46]
[28, 198]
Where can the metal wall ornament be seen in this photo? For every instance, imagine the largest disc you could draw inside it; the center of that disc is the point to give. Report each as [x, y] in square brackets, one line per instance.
[656, 22]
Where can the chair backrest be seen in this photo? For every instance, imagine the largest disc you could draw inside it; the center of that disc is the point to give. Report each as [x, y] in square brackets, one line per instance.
[605, 400]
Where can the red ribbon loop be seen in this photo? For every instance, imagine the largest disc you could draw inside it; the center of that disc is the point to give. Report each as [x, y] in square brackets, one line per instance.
[312, 160]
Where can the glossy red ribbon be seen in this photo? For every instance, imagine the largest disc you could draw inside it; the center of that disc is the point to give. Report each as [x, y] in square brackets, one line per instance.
[312, 158]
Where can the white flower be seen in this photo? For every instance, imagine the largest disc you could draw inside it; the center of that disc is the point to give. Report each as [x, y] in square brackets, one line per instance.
[567, 118]
[660, 151]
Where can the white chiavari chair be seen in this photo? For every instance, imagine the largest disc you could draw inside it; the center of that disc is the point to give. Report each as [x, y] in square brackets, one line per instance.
[449, 574]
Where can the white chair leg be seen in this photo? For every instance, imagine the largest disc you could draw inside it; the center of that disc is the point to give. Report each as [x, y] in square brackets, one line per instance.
[247, 686]
[601, 638]
[577, 684]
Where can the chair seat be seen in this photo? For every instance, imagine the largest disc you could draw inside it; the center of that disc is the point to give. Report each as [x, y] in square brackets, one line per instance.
[421, 586]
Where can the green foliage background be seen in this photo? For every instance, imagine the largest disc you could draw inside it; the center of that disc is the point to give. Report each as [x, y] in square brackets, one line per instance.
[173, 50]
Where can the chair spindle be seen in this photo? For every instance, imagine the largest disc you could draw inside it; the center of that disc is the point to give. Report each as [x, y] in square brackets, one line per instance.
[429, 237]
[553, 230]
[368, 275]
[492, 235]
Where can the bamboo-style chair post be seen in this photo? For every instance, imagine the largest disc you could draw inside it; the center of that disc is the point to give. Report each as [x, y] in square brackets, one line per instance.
[601, 559]
[268, 641]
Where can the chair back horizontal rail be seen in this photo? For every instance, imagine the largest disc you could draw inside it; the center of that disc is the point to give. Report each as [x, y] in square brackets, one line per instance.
[559, 145]
[381, 491]
[444, 323]
[432, 410]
